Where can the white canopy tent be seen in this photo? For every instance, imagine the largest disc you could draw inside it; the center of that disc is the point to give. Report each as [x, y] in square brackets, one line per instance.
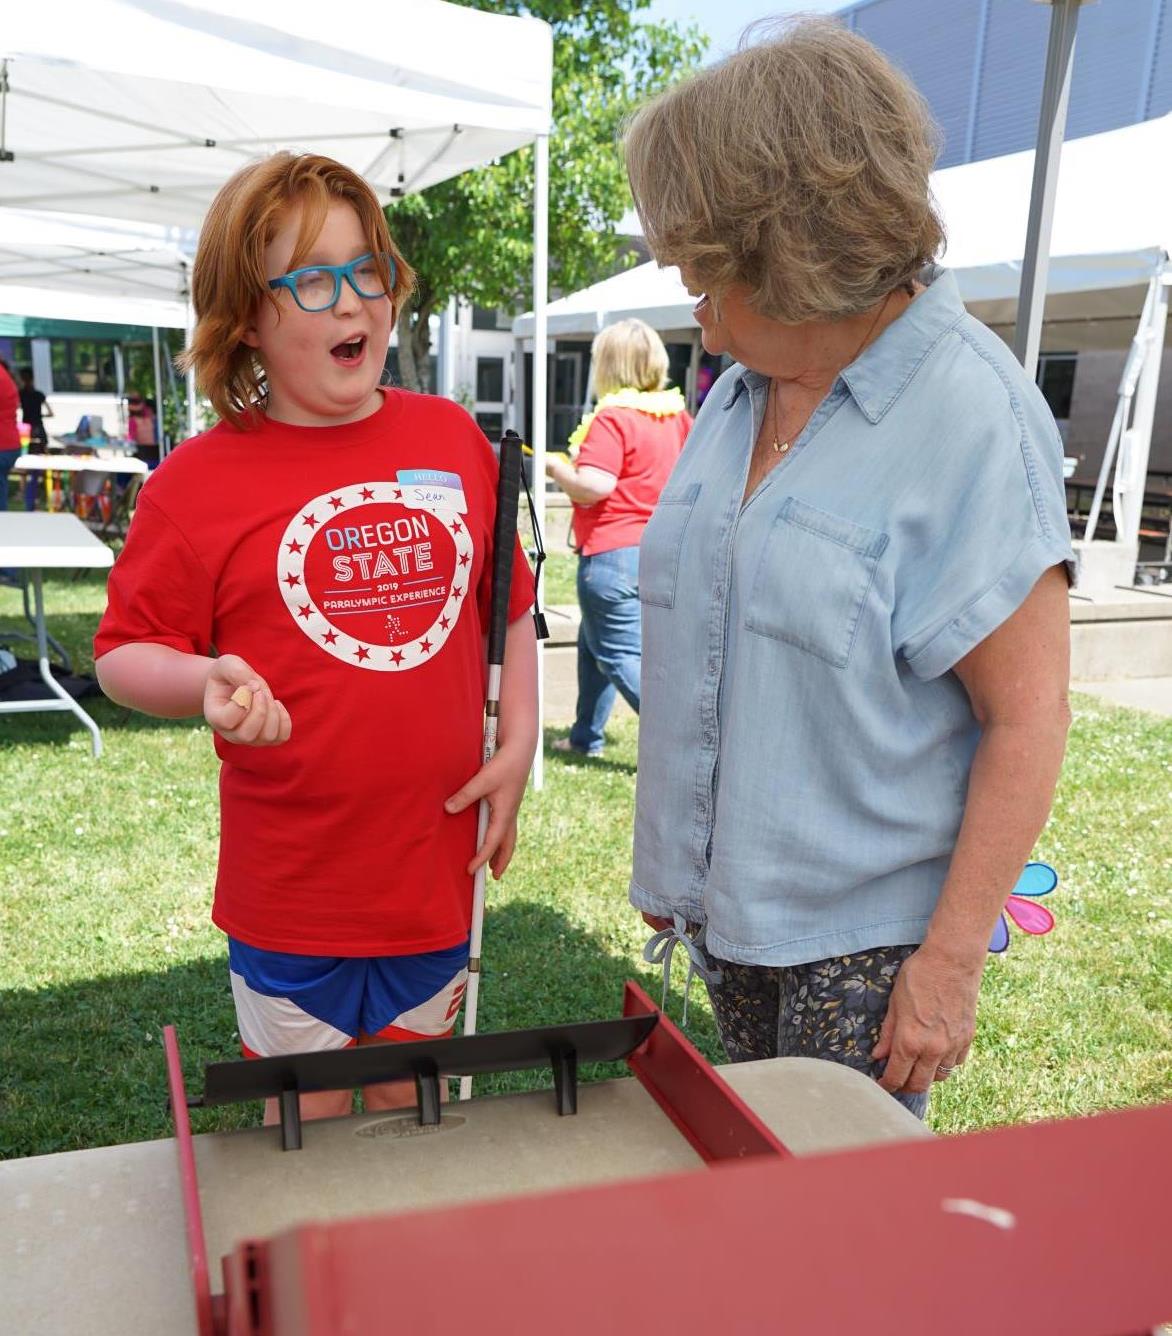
[141, 109]
[1112, 235]
[71, 267]
[1112, 228]
[105, 258]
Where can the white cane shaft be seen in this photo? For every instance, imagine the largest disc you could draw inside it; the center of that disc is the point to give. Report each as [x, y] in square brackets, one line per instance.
[471, 996]
[472, 992]
[478, 885]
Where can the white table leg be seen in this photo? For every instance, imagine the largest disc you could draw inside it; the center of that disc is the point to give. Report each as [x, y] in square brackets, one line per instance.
[32, 621]
[67, 701]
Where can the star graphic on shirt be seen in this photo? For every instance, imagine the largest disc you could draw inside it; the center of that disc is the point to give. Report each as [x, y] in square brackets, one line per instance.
[367, 494]
[336, 502]
[292, 579]
[396, 656]
[457, 527]
[465, 559]
[445, 622]
[457, 592]
[330, 637]
[425, 647]
[311, 520]
[398, 494]
[295, 547]
[305, 610]
[361, 654]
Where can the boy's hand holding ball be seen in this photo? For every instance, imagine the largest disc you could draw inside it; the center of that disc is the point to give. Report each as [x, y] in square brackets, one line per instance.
[239, 706]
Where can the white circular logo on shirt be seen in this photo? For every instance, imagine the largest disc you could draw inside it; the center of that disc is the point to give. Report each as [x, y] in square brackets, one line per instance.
[372, 581]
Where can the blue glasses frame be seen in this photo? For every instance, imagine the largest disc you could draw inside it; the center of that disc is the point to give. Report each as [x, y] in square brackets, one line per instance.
[338, 272]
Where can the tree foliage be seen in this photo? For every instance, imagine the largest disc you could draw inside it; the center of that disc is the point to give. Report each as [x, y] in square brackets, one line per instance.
[472, 236]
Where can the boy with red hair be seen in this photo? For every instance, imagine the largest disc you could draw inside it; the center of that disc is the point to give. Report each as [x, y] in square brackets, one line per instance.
[312, 575]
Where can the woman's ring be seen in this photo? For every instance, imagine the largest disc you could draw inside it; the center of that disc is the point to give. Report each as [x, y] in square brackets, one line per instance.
[945, 1071]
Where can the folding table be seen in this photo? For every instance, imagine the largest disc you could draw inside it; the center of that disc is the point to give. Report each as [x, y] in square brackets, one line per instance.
[35, 542]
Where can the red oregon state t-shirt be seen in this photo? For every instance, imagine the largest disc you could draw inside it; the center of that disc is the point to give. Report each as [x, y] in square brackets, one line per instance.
[350, 566]
[640, 450]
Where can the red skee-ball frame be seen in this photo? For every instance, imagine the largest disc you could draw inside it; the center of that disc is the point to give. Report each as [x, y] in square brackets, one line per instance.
[197, 1252]
[1055, 1228]
[716, 1121]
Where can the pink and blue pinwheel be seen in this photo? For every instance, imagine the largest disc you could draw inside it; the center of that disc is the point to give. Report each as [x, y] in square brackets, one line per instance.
[1037, 879]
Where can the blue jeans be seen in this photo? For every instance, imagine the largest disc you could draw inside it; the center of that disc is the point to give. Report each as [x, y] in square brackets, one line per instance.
[609, 641]
[7, 459]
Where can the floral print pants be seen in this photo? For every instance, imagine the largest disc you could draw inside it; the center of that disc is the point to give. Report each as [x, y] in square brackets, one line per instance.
[829, 1009]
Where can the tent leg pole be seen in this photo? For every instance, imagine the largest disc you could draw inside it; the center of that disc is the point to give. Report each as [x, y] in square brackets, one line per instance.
[1051, 128]
[192, 428]
[692, 389]
[160, 434]
[540, 416]
[1131, 473]
[517, 407]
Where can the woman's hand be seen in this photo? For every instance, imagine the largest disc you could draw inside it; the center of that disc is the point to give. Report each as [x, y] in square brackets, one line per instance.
[263, 722]
[654, 922]
[930, 1019]
[502, 782]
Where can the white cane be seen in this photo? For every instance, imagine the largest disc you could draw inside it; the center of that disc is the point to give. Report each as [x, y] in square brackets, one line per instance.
[504, 540]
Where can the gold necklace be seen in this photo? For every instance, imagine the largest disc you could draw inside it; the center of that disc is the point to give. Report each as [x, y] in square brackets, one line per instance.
[780, 447]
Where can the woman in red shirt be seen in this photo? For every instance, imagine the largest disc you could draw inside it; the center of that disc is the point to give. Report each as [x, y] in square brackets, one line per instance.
[626, 449]
[9, 431]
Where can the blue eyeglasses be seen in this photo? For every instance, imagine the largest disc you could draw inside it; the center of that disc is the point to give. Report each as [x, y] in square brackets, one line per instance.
[318, 287]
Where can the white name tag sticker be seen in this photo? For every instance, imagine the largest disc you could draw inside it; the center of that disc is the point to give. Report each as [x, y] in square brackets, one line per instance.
[432, 489]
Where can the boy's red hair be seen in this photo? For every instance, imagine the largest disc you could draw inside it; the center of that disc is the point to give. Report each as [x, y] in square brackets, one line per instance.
[229, 278]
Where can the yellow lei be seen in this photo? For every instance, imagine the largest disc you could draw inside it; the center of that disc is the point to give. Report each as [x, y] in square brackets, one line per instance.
[659, 403]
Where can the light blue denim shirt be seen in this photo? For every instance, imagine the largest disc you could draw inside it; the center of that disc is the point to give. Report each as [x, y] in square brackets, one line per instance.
[804, 748]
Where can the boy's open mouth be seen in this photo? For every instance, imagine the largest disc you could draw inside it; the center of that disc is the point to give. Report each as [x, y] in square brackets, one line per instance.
[350, 353]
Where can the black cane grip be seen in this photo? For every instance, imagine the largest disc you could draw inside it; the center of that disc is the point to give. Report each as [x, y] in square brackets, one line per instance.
[503, 542]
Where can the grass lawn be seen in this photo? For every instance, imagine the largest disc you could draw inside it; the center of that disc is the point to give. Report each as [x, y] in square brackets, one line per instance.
[108, 871]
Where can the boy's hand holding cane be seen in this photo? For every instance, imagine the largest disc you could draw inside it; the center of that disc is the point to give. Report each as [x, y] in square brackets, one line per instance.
[501, 783]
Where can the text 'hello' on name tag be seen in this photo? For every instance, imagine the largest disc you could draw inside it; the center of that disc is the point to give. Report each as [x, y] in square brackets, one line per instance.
[424, 489]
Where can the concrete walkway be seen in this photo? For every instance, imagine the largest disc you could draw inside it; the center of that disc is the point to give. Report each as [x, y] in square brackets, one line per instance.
[561, 667]
[1153, 694]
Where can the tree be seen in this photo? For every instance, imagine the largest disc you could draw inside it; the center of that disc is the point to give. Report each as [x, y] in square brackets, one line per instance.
[472, 236]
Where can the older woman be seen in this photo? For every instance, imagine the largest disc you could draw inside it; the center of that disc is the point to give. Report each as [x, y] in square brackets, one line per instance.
[626, 449]
[854, 587]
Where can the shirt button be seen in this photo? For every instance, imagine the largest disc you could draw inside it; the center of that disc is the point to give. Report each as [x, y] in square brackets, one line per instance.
[719, 591]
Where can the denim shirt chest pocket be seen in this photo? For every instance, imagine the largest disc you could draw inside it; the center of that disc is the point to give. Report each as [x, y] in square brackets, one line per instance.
[661, 544]
[812, 580]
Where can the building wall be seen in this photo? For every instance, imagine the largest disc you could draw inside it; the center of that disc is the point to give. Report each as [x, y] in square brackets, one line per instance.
[1096, 386]
[980, 65]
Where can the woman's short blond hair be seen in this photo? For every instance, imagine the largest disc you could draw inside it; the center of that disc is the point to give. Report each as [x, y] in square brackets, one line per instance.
[229, 280]
[798, 167]
[628, 354]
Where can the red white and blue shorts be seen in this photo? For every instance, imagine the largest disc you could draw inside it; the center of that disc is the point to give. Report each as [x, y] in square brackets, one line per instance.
[289, 1003]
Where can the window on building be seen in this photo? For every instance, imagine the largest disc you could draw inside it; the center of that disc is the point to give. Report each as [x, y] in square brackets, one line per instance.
[17, 353]
[1056, 381]
[490, 380]
[483, 318]
[138, 360]
[391, 367]
[83, 366]
[492, 424]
